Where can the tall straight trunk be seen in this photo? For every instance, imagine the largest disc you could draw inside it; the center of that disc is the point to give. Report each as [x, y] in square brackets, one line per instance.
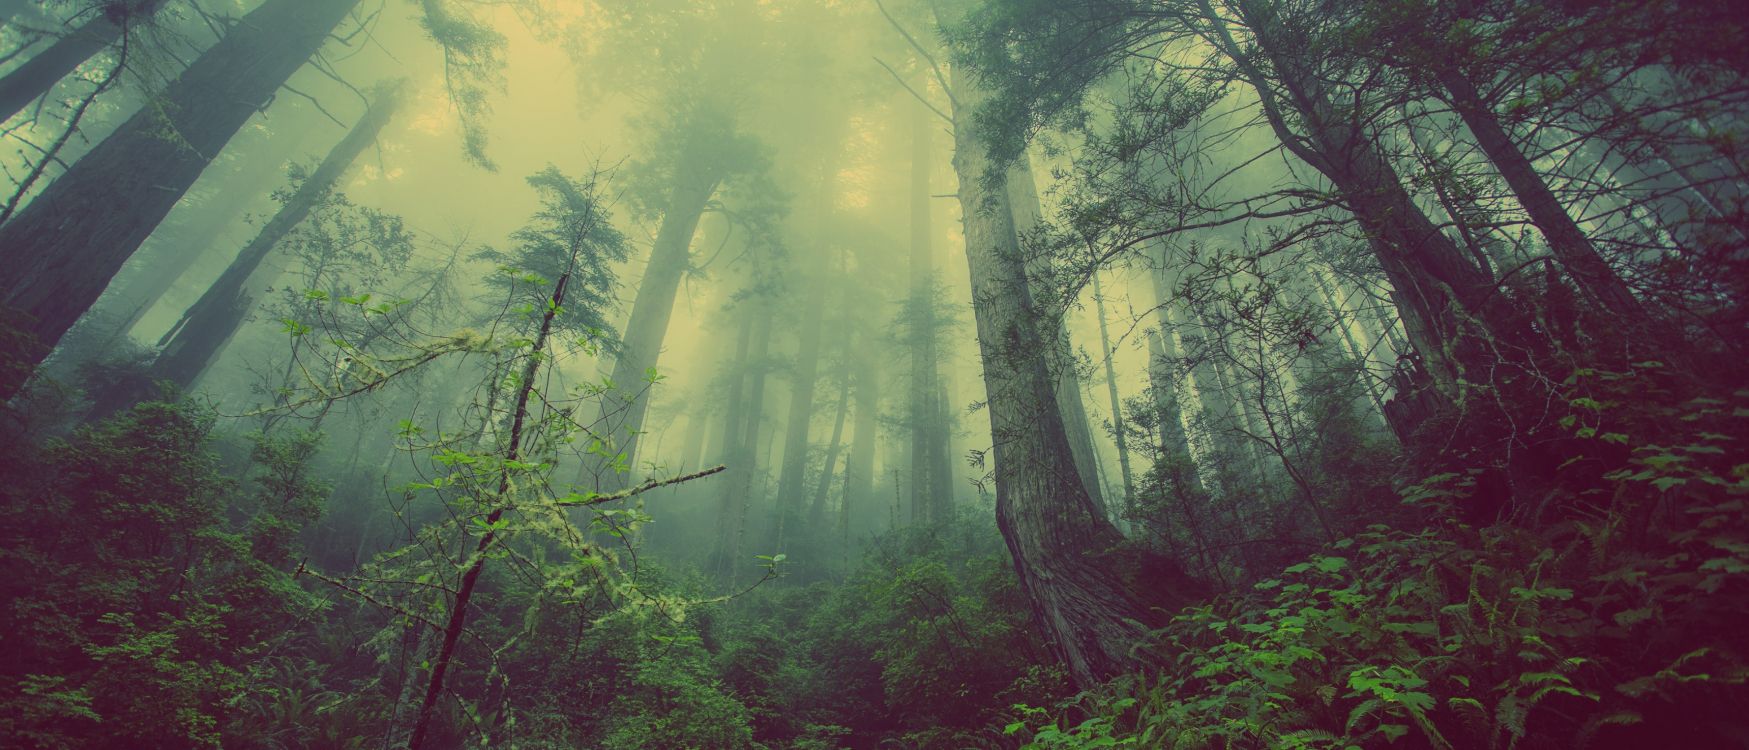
[622, 410]
[1566, 240]
[59, 252]
[1023, 202]
[822, 488]
[698, 423]
[790, 486]
[1086, 596]
[39, 74]
[931, 487]
[190, 345]
[729, 446]
[859, 467]
[1117, 424]
[742, 492]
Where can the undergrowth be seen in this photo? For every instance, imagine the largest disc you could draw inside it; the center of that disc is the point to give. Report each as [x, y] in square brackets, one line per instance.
[1618, 625]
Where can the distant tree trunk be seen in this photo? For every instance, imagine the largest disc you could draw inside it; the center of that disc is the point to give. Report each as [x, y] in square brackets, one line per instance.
[859, 467]
[822, 488]
[190, 346]
[698, 422]
[60, 251]
[104, 25]
[729, 447]
[1117, 425]
[1023, 203]
[791, 492]
[1568, 242]
[741, 438]
[1089, 598]
[622, 410]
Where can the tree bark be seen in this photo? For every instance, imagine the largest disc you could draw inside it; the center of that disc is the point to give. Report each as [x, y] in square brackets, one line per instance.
[1023, 202]
[1088, 596]
[59, 252]
[27, 82]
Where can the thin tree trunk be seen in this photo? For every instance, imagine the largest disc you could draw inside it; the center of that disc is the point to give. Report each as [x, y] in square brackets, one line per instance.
[464, 594]
[859, 467]
[822, 488]
[791, 490]
[729, 447]
[28, 82]
[1117, 424]
[59, 252]
[1568, 242]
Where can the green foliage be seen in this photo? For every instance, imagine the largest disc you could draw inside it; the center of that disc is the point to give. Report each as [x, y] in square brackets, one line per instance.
[135, 607]
[928, 644]
[1610, 627]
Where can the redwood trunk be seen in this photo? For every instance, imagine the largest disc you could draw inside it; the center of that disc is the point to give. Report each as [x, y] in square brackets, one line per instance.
[1062, 544]
[58, 254]
[42, 71]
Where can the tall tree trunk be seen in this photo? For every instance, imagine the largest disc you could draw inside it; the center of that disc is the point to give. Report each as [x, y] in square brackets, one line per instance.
[59, 252]
[822, 488]
[622, 410]
[105, 24]
[698, 423]
[925, 493]
[1088, 598]
[1434, 282]
[859, 467]
[790, 486]
[1117, 425]
[1023, 203]
[190, 345]
[729, 447]
[1568, 242]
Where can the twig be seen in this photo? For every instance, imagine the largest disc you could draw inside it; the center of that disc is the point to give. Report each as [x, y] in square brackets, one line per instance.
[642, 488]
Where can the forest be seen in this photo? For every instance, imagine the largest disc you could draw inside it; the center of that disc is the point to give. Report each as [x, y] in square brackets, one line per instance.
[874, 374]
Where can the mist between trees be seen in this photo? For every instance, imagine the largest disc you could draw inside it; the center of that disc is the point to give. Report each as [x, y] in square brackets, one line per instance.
[873, 373]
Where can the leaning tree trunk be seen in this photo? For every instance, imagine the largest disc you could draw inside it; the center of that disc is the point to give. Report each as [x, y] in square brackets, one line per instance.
[1568, 242]
[622, 410]
[190, 345]
[1092, 601]
[42, 71]
[1023, 202]
[58, 254]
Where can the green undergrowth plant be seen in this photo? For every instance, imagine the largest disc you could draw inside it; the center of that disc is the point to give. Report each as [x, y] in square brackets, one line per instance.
[1618, 625]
